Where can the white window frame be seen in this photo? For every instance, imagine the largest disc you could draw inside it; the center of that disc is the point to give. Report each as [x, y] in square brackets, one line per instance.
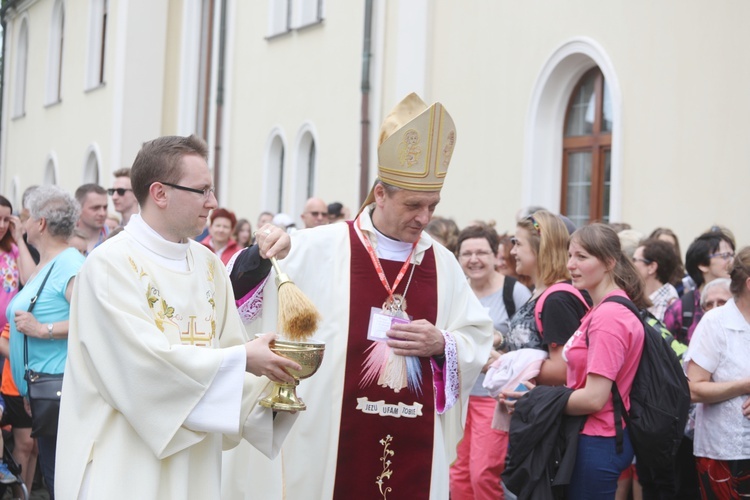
[21, 68]
[53, 93]
[542, 166]
[279, 17]
[306, 13]
[94, 56]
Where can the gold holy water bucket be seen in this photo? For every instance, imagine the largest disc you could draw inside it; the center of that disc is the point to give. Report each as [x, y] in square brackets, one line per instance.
[307, 354]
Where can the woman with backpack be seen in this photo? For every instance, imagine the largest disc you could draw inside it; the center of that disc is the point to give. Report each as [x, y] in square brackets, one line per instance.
[606, 349]
[719, 375]
[554, 311]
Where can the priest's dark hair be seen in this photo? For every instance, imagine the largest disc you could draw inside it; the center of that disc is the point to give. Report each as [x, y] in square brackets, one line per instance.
[160, 160]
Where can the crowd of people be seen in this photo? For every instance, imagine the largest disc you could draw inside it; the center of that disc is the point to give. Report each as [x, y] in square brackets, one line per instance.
[143, 312]
[597, 344]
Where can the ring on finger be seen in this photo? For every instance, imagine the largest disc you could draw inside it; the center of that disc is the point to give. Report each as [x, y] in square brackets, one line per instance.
[267, 231]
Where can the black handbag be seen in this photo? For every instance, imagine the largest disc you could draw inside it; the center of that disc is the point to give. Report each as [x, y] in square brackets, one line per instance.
[44, 389]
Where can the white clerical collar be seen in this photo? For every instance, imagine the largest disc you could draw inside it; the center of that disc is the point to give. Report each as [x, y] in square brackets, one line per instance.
[391, 249]
[167, 253]
[388, 248]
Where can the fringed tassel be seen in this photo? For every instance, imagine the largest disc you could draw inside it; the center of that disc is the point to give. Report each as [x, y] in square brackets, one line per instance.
[391, 370]
[414, 374]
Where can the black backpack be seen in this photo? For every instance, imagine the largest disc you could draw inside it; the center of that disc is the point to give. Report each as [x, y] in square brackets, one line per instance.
[688, 312]
[659, 399]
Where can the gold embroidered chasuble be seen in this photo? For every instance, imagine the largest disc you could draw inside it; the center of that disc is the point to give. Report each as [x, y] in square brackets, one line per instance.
[145, 345]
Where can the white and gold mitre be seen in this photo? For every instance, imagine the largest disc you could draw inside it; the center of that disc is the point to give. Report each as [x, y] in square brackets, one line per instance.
[416, 144]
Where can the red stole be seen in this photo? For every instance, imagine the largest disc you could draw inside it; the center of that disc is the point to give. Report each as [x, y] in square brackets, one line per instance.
[396, 451]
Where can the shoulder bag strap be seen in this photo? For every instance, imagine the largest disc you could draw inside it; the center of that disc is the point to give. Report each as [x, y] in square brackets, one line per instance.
[30, 309]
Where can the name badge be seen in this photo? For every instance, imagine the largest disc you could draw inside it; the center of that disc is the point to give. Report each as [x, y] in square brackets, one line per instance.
[380, 323]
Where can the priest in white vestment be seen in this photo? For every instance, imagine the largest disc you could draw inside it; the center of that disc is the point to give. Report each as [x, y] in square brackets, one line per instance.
[159, 377]
[385, 410]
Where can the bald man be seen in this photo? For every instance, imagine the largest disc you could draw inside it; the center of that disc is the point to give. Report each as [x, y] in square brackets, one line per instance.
[315, 214]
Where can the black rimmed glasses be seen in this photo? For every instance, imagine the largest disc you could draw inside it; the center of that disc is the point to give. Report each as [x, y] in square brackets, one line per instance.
[119, 191]
[206, 192]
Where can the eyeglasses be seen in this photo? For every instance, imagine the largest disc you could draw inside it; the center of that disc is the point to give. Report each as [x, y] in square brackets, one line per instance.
[645, 261]
[206, 192]
[119, 191]
[479, 254]
[318, 214]
[707, 306]
[722, 255]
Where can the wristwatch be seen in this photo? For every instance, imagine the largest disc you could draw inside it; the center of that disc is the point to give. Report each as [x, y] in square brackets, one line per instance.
[49, 331]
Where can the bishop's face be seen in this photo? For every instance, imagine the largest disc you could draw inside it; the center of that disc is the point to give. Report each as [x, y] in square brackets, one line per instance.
[403, 214]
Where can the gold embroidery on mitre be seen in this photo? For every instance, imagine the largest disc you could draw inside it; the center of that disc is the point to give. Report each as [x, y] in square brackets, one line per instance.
[386, 472]
[409, 149]
[450, 142]
[417, 145]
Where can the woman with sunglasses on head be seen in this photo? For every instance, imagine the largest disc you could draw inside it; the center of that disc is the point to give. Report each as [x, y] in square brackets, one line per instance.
[540, 248]
[606, 348]
[719, 376]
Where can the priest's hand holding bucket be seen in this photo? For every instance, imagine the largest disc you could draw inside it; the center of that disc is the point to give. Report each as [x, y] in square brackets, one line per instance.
[261, 361]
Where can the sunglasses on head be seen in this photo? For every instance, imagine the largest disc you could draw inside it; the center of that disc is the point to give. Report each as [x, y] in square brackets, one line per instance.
[119, 191]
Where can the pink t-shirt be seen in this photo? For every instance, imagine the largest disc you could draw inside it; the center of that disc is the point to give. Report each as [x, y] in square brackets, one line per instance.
[614, 351]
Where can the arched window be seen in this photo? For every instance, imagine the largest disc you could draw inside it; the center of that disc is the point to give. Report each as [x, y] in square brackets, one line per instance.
[50, 173]
[22, 56]
[91, 166]
[98, 12]
[54, 57]
[587, 146]
[311, 169]
[274, 184]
